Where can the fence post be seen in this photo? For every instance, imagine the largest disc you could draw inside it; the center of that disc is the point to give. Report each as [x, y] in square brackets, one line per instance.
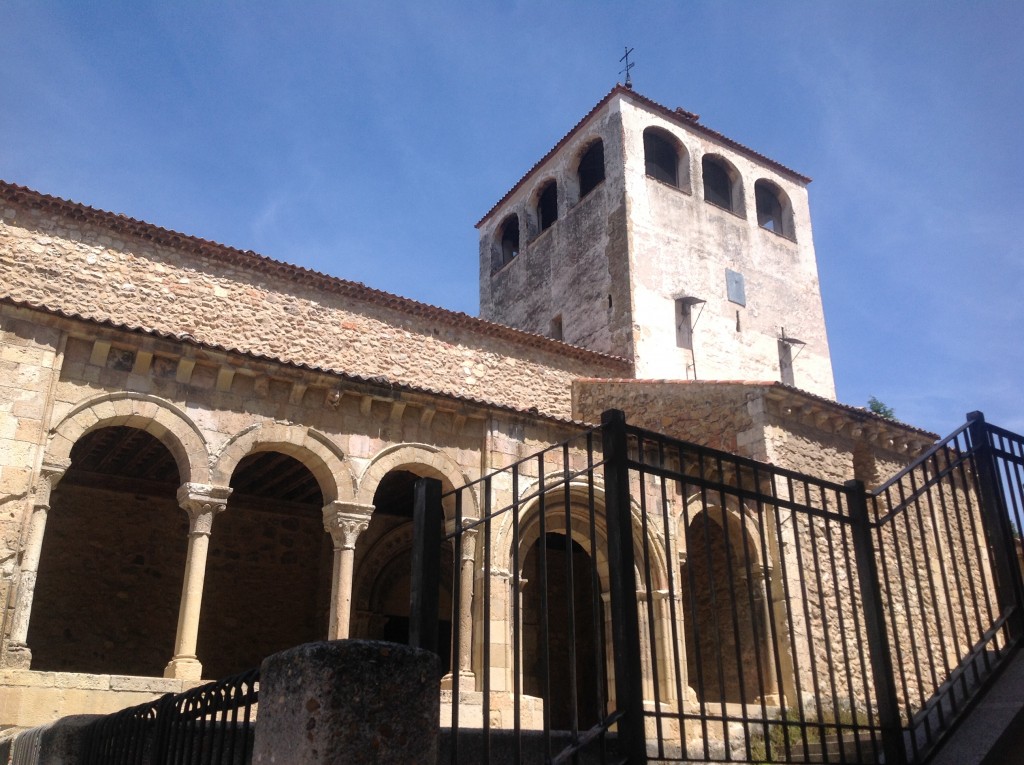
[874, 623]
[996, 520]
[427, 517]
[625, 623]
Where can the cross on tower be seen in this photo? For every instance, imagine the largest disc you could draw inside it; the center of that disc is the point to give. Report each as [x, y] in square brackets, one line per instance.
[625, 70]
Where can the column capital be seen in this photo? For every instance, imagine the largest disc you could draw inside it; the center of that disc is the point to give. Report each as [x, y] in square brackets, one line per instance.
[345, 521]
[202, 502]
[468, 532]
[50, 473]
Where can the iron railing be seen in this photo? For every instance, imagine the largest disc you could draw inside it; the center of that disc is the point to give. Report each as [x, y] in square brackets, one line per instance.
[208, 725]
[642, 597]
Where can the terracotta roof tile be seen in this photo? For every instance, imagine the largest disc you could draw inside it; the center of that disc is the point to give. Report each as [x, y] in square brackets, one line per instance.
[21, 195]
[380, 381]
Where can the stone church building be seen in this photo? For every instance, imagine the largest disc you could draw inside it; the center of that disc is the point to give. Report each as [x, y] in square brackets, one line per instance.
[206, 455]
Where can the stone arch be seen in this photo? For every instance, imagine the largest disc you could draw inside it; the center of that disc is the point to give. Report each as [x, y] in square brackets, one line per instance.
[666, 158]
[739, 525]
[156, 416]
[579, 497]
[723, 184]
[590, 167]
[313, 449]
[423, 460]
[724, 585]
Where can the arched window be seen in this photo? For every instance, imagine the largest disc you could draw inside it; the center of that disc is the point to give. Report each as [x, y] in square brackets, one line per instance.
[661, 158]
[774, 212]
[547, 205]
[722, 184]
[508, 239]
[591, 169]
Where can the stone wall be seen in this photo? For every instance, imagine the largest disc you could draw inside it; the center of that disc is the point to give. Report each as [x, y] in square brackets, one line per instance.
[81, 264]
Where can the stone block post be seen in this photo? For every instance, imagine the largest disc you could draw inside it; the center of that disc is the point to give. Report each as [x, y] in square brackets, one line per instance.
[345, 522]
[349, 702]
[18, 654]
[202, 503]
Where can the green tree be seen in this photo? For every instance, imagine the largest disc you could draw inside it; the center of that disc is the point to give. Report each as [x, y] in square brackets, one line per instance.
[879, 408]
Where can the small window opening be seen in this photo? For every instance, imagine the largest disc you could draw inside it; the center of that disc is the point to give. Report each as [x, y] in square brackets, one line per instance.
[661, 160]
[718, 184]
[509, 241]
[773, 210]
[591, 170]
[547, 206]
[609, 301]
[555, 330]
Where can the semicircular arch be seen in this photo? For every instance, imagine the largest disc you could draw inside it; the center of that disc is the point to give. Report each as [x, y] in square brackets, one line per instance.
[156, 416]
[313, 449]
[422, 459]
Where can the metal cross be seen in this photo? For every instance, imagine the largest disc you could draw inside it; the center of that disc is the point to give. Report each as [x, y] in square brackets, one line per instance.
[629, 80]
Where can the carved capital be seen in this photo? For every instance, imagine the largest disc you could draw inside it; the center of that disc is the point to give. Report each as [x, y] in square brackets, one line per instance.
[468, 533]
[202, 502]
[49, 475]
[345, 521]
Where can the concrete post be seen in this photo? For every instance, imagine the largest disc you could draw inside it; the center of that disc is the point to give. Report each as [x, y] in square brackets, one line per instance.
[349, 702]
[202, 503]
[344, 521]
[18, 653]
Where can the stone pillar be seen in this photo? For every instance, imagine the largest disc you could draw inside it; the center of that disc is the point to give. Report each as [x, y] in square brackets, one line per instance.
[463, 659]
[202, 503]
[344, 521]
[349, 701]
[18, 653]
[761, 589]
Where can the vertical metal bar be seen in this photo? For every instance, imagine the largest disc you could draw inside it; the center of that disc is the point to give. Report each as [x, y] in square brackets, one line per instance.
[874, 621]
[600, 670]
[570, 586]
[857, 606]
[671, 562]
[698, 660]
[487, 626]
[456, 634]
[426, 563]
[622, 573]
[648, 584]
[1009, 588]
[545, 632]
[517, 648]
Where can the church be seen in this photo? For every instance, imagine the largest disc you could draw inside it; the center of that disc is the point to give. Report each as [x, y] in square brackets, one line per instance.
[207, 455]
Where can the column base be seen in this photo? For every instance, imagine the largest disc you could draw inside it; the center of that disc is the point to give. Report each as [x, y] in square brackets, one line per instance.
[184, 668]
[467, 681]
[17, 656]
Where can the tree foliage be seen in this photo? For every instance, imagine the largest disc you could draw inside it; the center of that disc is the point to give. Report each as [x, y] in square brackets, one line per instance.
[879, 408]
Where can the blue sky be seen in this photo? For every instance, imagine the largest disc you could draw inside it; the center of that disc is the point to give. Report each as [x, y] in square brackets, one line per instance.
[366, 139]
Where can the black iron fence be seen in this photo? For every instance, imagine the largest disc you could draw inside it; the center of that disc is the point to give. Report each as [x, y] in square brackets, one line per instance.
[208, 725]
[636, 597]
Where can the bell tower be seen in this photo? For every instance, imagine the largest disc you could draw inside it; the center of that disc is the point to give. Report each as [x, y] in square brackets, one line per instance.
[646, 235]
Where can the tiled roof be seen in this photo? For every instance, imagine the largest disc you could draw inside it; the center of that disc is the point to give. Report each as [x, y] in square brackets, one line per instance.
[20, 195]
[378, 381]
[679, 116]
[779, 390]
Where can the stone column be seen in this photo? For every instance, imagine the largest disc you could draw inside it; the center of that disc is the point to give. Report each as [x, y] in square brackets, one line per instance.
[344, 521]
[18, 653]
[202, 503]
[463, 659]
